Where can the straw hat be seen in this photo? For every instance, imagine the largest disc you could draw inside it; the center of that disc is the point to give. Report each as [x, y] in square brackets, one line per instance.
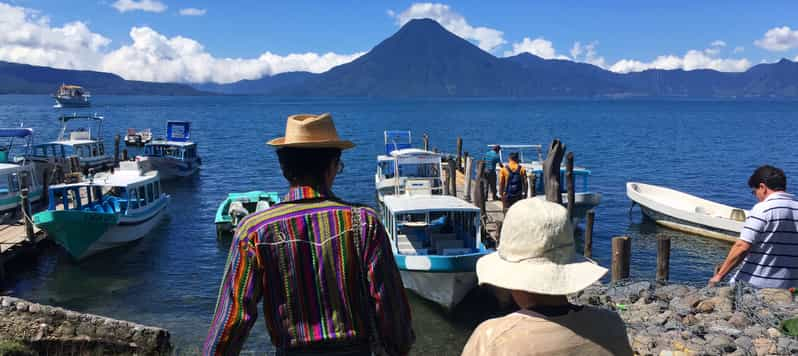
[310, 131]
[536, 253]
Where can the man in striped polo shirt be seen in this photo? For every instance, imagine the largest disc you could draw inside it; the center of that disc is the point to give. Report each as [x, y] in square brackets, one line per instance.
[768, 244]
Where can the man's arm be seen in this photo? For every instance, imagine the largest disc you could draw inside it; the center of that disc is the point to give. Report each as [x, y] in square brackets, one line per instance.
[502, 182]
[736, 255]
[391, 307]
[237, 304]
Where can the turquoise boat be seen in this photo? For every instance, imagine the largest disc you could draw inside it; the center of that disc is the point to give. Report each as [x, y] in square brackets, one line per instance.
[238, 205]
[106, 211]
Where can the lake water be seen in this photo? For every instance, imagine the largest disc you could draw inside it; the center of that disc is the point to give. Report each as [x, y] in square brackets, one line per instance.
[171, 277]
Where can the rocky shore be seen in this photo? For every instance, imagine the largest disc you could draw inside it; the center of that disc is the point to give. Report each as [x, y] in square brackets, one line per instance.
[684, 320]
[55, 331]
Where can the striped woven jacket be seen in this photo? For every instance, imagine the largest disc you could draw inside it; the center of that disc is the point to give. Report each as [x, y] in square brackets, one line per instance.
[300, 257]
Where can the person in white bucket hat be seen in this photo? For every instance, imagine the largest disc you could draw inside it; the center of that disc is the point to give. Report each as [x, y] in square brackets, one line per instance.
[536, 262]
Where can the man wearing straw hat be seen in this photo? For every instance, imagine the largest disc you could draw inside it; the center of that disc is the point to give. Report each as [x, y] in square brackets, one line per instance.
[323, 267]
[536, 263]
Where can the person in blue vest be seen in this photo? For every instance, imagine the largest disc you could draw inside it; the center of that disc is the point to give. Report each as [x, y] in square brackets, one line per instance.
[491, 160]
[512, 182]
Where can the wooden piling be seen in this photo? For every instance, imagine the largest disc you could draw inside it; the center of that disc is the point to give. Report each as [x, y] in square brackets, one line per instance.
[551, 171]
[117, 138]
[569, 183]
[452, 171]
[465, 161]
[124, 154]
[426, 142]
[531, 183]
[467, 176]
[26, 214]
[459, 152]
[621, 253]
[591, 216]
[663, 258]
[476, 189]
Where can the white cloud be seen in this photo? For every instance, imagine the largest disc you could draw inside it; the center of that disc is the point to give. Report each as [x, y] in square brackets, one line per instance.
[486, 38]
[779, 39]
[192, 12]
[693, 59]
[27, 37]
[142, 5]
[540, 47]
[718, 43]
[587, 53]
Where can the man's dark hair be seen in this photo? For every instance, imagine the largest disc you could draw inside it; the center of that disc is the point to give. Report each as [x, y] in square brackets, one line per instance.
[773, 178]
[306, 165]
[514, 156]
[497, 148]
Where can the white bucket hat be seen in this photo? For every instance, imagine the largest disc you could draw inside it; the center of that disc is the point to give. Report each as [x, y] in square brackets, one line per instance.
[536, 253]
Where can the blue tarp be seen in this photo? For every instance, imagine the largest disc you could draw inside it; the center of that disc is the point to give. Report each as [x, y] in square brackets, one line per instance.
[179, 131]
[16, 132]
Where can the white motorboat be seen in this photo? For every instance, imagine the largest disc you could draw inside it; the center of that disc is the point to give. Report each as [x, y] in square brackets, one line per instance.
[176, 156]
[81, 142]
[71, 96]
[138, 138]
[687, 213]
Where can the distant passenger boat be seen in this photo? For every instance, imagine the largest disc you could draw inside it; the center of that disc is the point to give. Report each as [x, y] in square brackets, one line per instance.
[138, 138]
[436, 239]
[174, 157]
[81, 142]
[12, 170]
[71, 96]
[531, 158]
[687, 213]
[238, 205]
[106, 211]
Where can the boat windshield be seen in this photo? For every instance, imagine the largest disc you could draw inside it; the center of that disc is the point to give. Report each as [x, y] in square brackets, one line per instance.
[419, 170]
[525, 154]
[9, 183]
[438, 232]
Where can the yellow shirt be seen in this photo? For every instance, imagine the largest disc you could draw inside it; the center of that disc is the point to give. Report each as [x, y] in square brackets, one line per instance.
[589, 331]
[504, 174]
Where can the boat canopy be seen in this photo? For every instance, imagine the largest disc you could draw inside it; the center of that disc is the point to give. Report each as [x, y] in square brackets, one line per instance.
[408, 204]
[16, 132]
[178, 131]
[526, 153]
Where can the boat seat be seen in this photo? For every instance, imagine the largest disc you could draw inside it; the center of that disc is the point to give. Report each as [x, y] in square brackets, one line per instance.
[412, 245]
[262, 205]
[237, 209]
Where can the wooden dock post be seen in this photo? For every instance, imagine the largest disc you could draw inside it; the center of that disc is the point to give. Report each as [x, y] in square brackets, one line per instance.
[663, 258]
[621, 253]
[465, 160]
[591, 217]
[425, 138]
[476, 189]
[569, 183]
[26, 214]
[531, 182]
[467, 176]
[551, 171]
[451, 172]
[117, 138]
[459, 152]
[124, 154]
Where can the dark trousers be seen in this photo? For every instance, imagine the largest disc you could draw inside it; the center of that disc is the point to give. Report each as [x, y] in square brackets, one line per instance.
[507, 202]
[491, 176]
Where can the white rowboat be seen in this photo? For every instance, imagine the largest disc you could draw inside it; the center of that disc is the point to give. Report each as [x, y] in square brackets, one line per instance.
[687, 213]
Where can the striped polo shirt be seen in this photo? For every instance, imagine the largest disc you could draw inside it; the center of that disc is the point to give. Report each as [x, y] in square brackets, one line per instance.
[772, 230]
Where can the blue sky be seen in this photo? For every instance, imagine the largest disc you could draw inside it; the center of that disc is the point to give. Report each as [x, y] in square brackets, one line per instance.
[228, 41]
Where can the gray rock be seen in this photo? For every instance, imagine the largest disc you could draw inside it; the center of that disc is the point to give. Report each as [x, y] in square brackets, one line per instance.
[754, 332]
[744, 342]
[725, 331]
[738, 320]
[684, 305]
[661, 318]
[721, 343]
[672, 325]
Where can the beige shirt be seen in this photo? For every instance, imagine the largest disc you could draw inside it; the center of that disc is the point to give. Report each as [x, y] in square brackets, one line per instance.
[589, 331]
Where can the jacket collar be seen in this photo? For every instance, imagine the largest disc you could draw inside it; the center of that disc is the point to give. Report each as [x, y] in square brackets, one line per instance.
[306, 192]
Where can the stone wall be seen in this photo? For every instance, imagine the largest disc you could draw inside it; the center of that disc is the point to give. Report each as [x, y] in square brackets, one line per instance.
[685, 320]
[56, 331]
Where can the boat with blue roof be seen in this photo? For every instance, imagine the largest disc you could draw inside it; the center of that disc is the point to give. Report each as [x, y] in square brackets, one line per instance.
[105, 211]
[436, 239]
[16, 172]
[176, 155]
[531, 158]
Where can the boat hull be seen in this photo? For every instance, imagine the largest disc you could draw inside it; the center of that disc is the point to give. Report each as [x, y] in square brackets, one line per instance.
[85, 233]
[170, 168]
[446, 289]
[686, 213]
[444, 280]
[71, 102]
[13, 201]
